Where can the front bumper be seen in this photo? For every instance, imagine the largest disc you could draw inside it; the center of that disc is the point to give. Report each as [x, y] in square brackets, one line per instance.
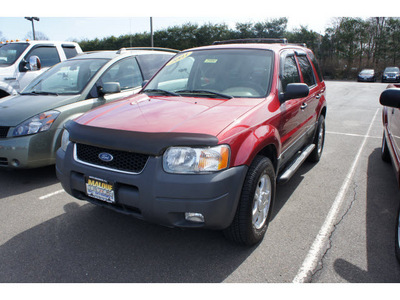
[159, 197]
[366, 79]
[391, 79]
[30, 151]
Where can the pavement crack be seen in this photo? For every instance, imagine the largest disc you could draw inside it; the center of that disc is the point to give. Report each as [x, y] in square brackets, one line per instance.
[320, 265]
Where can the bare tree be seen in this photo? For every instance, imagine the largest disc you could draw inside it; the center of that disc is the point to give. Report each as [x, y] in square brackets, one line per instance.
[38, 34]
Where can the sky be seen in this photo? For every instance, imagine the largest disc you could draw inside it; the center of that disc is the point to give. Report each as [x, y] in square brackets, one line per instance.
[78, 20]
[79, 28]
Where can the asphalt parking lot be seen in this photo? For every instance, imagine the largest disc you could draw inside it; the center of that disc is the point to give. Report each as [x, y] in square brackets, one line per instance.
[333, 222]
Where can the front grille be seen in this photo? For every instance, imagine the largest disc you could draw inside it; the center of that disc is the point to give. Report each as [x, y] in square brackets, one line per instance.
[122, 160]
[3, 131]
[3, 161]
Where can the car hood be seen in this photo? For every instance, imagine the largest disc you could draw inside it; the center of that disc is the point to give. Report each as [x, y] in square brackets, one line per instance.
[143, 113]
[16, 109]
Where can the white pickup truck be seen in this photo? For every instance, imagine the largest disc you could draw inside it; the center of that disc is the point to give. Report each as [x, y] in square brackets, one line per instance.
[21, 62]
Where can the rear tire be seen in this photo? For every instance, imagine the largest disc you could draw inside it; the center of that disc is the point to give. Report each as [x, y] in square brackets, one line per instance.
[385, 151]
[319, 141]
[254, 209]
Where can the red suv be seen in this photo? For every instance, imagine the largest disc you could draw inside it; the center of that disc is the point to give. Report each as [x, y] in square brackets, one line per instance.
[205, 141]
[390, 98]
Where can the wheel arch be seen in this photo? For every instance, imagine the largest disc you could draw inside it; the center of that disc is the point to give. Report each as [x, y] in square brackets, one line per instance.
[264, 140]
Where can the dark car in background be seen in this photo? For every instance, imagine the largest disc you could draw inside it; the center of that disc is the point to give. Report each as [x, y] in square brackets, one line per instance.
[366, 75]
[391, 74]
[390, 98]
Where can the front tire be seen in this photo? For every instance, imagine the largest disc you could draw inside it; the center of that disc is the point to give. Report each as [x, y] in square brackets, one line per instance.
[254, 209]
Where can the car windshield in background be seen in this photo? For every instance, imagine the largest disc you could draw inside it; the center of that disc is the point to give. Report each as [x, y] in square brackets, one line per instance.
[9, 53]
[367, 72]
[216, 73]
[394, 69]
[69, 77]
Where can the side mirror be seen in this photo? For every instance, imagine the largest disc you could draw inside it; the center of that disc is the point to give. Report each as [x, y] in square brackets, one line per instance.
[390, 97]
[34, 63]
[109, 88]
[294, 91]
[144, 83]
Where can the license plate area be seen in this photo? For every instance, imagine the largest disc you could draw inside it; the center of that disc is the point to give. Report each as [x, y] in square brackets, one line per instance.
[100, 189]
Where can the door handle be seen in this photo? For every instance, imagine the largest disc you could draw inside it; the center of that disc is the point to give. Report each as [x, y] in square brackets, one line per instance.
[318, 96]
[303, 106]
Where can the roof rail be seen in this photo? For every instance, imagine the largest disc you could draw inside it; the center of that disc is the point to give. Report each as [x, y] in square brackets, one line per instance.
[147, 48]
[299, 44]
[253, 40]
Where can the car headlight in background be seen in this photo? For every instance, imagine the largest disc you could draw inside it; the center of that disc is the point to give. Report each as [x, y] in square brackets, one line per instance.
[188, 160]
[38, 123]
[65, 140]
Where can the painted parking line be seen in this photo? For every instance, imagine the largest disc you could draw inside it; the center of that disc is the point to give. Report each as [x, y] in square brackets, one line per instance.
[318, 247]
[354, 134]
[51, 194]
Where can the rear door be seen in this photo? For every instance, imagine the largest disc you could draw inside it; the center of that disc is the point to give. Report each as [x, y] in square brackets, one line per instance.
[309, 104]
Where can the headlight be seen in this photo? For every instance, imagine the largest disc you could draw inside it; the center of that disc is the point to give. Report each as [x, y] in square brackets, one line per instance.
[65, 140]
[184, 160]
[38, 123]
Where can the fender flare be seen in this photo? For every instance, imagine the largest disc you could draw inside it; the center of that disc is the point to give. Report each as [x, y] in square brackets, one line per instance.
[255, 141]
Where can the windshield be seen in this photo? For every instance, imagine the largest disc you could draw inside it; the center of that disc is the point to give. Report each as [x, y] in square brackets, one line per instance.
[216, 73]
[394, 69]
[9, 53]
[68, 77]
[367, 72]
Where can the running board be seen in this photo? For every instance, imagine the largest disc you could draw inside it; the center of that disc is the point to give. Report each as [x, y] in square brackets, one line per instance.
[295, 165]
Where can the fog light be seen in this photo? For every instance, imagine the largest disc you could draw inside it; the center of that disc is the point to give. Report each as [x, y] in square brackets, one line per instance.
[194, 217]
[15, 163]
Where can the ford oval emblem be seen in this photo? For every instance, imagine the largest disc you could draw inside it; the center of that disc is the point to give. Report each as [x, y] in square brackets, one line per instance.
[107, 157]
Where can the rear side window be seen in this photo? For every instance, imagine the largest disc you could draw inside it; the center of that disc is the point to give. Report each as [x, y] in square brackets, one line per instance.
[315, 63]
[48, 56]
[306, 70]
[70, 51]
[290, 73]
[151, 63]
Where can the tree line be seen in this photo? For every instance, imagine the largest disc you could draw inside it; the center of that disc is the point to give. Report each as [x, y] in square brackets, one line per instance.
[347, 45]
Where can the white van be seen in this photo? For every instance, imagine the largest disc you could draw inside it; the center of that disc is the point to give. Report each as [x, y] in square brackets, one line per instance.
[21, 62]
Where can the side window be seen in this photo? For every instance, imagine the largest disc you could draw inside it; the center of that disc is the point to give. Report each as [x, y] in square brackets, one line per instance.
[151, 63]
[306, 70]
[70, 51]
[48, 56]
[290, 73]
[126, 72]
[315, 63]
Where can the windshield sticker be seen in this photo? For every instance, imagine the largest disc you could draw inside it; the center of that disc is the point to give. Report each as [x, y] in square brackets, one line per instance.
[210, 60]
[179, 58]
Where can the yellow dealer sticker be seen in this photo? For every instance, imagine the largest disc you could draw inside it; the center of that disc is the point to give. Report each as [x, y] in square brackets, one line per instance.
[179, 58]
[211, 61]
[100, 189]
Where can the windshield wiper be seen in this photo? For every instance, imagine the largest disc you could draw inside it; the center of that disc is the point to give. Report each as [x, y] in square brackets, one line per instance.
[205, 92]
[39, 93]
[164, 92]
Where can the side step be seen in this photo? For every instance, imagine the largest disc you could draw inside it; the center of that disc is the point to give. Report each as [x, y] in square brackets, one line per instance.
[295, 165]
